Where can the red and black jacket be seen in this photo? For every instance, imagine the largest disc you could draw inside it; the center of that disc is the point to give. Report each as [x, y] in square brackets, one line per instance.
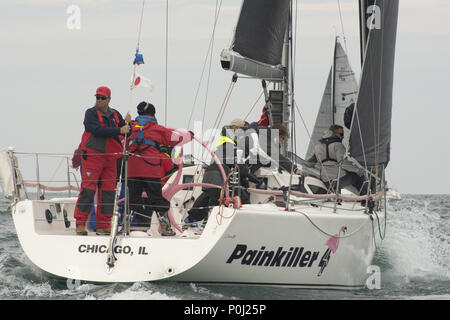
[102, 131]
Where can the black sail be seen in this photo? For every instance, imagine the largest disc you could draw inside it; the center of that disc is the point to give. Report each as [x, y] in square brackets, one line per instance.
[261, 29]
[371, 127]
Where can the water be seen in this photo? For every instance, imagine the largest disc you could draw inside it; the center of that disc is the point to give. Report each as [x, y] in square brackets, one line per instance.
[413, 259]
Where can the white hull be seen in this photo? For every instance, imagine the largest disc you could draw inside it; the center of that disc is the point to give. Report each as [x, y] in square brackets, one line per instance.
[230, 249]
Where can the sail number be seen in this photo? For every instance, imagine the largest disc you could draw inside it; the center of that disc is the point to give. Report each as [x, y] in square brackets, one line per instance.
[95, 248]
[374, 20]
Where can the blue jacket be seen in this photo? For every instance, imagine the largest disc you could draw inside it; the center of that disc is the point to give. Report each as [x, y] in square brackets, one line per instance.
[96, 135]
[92, 123]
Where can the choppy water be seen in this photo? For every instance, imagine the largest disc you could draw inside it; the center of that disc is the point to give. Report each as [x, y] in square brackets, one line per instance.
[413, 259]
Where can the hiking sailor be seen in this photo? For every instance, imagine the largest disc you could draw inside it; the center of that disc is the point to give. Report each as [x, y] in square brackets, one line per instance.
[144, 166]
[330, 153]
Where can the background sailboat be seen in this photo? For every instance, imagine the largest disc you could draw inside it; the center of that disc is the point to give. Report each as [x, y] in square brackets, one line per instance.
[339, 94]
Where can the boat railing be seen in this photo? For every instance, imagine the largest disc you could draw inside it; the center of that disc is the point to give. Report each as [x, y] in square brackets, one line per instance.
[29, 175]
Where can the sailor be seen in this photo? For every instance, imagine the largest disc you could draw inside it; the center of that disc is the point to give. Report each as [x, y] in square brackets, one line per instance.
[260, 150]
[100, 148]
[168, 167]
[330, 152]
[226, 147]
[144, 166]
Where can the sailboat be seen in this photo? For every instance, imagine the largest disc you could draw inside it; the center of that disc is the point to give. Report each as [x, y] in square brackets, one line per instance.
[309, 241]
[338, 97]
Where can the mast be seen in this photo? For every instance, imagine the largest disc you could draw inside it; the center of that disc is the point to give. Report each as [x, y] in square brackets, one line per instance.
[261, 49]
[333, 84]
[286, 84]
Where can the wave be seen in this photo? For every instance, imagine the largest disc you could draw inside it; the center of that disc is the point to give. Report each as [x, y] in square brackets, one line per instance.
[415, 252]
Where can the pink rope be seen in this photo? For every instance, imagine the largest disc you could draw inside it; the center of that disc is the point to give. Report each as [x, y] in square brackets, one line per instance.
[378, 196]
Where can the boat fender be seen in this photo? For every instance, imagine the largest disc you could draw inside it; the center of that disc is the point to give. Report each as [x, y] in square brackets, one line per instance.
[237, 203]
[234, 202]
[227, 201]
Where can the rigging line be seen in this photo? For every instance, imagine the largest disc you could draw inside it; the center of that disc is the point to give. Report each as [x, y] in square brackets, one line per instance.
[332, 235]
[167, 62]
[216, 18]
[303, 120]
[140, 25]
[254, 105]
[211, 41]
[342, 25]
[218, 119]
[291, 83]
[57, 168]
[309, 135]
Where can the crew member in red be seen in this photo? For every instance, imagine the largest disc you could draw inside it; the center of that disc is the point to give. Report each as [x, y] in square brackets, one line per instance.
[168, 167]
[100, 148]
[144, 166]
[264, 120]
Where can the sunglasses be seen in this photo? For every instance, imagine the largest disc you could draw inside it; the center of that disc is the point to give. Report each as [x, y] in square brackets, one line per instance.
[101, 97]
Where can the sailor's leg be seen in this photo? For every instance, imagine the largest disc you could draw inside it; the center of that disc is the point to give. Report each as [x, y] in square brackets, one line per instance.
[160, 204]
[135, 188]
[199, 210]
[107, 194]
[90, 175]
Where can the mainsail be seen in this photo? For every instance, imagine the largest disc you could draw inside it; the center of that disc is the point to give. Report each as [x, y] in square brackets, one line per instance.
[257, 46]
[371, 127]
[340, 93]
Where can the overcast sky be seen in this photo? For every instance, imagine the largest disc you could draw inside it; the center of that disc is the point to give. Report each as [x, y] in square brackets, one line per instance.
[49, 73]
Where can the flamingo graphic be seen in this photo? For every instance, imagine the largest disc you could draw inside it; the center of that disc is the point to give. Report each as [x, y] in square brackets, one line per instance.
[333, 245]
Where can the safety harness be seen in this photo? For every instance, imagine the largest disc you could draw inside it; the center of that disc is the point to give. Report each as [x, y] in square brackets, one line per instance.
[140, 141]
[327, 142]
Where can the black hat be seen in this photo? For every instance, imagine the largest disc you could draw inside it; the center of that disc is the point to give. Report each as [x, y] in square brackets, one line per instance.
[146, 108]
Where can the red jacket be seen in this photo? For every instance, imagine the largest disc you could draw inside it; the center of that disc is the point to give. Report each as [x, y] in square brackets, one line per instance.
[166, 166]
[102, 131]
[264, 120]
[145, 160]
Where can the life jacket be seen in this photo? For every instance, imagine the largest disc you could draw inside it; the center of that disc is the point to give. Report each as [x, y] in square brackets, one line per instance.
[108, 145]
[224, 139]
[140, 143]
[327, 142]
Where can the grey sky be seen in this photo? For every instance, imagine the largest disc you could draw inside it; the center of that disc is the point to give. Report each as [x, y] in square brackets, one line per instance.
[49, 73]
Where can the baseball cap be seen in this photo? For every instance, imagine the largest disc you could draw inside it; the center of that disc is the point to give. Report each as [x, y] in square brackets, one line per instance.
[238, 123]
[103, 91]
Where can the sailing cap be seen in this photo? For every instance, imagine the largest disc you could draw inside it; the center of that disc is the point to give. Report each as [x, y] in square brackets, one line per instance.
[146, 108]
[103, 91]
[238, 123]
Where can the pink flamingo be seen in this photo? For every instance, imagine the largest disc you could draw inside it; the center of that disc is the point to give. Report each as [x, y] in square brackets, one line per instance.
[333, 242]
[174, 187]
